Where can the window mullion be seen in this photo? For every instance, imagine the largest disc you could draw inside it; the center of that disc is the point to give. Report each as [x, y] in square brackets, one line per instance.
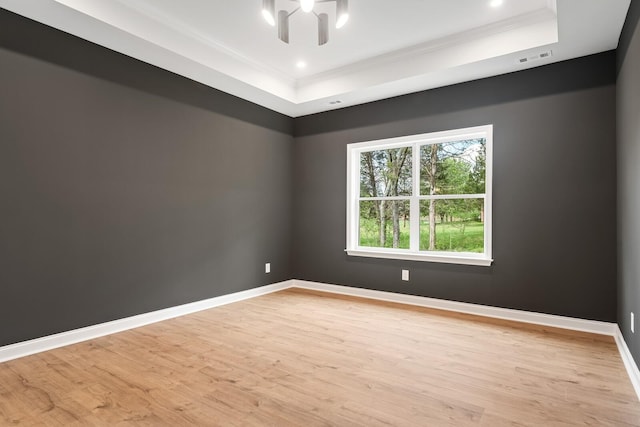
[414, 234]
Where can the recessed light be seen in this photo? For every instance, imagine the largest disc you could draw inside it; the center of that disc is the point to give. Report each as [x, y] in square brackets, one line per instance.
[496, 3]
[301, 64]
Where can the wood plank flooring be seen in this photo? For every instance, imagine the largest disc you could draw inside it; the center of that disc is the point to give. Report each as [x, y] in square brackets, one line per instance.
[303, 358]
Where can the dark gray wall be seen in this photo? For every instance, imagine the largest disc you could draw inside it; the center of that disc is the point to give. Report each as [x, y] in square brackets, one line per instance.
[122, 188]
[554, 190]
[125, 188]
[628, 112]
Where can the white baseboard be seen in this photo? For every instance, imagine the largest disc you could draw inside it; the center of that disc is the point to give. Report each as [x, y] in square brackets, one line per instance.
[629, 362]
[50, 342]
[593, 326]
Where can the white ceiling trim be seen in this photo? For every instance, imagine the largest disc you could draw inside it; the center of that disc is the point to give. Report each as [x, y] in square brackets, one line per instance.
[501, 27]
[190, 32]
[152, 36]
[536, 29]
[169, 35]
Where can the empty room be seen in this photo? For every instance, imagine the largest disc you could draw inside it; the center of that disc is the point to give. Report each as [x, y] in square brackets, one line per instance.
[319, 213]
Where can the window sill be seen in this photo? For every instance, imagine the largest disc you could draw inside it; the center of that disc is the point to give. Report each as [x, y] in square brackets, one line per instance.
[448, 257]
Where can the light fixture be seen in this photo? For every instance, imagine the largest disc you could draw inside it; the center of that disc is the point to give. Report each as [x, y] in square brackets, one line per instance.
[307, 5]
[342, 16]
[496, 3]
[342, 13]
[301, 64]
[269, 11]
[283, 26]
[323, 29]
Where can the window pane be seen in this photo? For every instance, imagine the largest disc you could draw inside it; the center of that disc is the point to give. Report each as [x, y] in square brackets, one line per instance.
[385, 173]
[455, 225]
[384, 224]
[456, 167]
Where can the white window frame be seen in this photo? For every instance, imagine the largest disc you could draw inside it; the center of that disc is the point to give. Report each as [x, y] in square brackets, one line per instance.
[416, 141]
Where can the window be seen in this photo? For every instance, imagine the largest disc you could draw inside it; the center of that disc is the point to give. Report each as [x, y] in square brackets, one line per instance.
[422, 197]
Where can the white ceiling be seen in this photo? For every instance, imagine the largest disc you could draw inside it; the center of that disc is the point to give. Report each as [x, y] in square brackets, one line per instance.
[388, 47]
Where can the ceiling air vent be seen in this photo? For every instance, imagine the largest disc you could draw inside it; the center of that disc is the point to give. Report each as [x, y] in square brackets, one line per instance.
[532, 58]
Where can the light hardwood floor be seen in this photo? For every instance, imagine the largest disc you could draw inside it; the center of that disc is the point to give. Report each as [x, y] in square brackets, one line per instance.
[302, 358]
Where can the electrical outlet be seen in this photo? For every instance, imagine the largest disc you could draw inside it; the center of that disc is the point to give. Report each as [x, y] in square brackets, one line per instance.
[405, 275]
[267, 267]
[633, 323]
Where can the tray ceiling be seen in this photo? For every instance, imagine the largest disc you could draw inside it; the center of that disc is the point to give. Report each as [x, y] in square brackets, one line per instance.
[387, 48]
